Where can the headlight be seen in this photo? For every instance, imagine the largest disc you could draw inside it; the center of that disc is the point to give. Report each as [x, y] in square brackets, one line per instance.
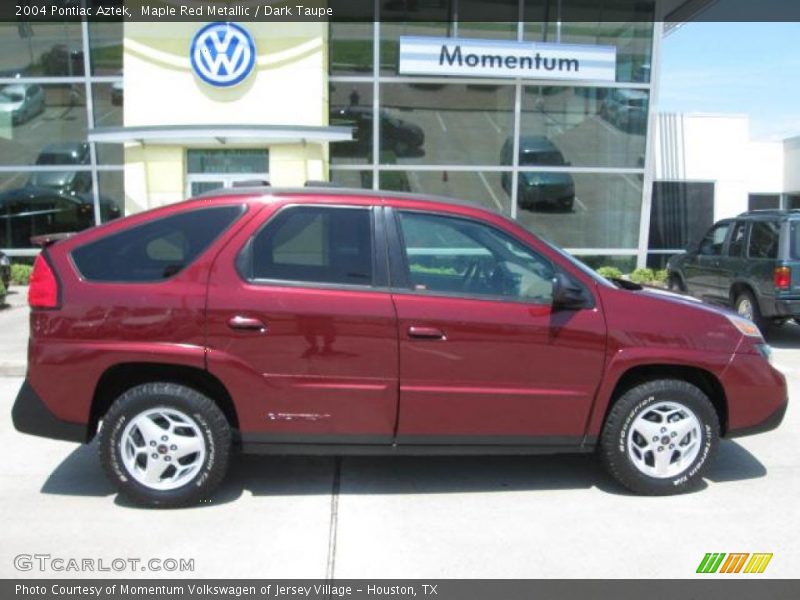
[745, 326]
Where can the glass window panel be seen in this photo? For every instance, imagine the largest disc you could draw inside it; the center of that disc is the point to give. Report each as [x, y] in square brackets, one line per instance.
[455, 124]
[27, 211]
[763, 201]
[626, 264]
[227, 161]
[41, 49]
[155, 250]
[351, 106]
[483, 30]
[108, 99]
[351, 46]
[112, 194]
[482, 188]
[587, 127]
[764, 237]
[316, 245]
[579, 210]
[352, 179]
[40, 119]
[627, 26]
[390, 40]
[462, 257]
[105, 45]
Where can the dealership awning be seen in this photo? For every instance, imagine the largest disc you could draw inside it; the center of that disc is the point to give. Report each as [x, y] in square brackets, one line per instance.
[253, 135]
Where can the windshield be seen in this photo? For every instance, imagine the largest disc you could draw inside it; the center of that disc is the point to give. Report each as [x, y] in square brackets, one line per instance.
[57, 159]
[552, 158]
[10, 97]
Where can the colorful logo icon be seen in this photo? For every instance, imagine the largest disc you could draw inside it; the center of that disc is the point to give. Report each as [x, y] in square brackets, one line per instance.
[735, 562]
[223, 54]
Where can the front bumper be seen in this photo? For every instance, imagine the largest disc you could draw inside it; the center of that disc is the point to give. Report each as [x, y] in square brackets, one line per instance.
[31, 415]
[756, 395]
[768, 424]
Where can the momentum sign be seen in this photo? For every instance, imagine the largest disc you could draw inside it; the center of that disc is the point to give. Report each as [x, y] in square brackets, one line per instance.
[495, 58]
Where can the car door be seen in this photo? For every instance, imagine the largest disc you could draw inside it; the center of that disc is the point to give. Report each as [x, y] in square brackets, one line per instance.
[483, 357]
[302, 331]
[732, 261]
[703, 269]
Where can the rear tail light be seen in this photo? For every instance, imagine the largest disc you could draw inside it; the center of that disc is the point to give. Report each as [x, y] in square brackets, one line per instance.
[43, 291]
[782, 278]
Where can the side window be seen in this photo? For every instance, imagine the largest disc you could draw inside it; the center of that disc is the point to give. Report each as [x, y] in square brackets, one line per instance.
[459, 256]
[314, 244]
[764, 240]
[738, 239]
[714, 240]
[155, 250]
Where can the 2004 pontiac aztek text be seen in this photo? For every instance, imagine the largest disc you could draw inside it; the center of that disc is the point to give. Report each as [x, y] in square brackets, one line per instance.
[335, 321]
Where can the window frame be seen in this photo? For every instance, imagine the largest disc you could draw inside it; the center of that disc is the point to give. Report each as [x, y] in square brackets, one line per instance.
[745, 224]
[400, 270]
[244, 257]
[243, 209]
[729, 223]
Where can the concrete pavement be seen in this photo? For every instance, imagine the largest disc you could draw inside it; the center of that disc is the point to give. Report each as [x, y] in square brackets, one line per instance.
[412, 516]
[14, 333]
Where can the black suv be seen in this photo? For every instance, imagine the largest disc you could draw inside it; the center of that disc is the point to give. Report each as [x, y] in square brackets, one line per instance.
[751, 262]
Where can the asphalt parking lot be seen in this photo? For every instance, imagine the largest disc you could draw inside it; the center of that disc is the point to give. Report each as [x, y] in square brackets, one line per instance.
[412, 516]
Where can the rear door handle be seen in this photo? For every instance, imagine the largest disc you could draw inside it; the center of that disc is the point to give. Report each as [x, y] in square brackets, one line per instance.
[247, 324]
[426, 333]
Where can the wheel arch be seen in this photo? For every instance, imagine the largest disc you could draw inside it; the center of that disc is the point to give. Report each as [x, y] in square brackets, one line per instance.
[121, 377]
[739, 286]
[706, 381]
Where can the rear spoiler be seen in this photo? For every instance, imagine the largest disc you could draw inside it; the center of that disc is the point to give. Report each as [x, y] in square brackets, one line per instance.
[43, 241]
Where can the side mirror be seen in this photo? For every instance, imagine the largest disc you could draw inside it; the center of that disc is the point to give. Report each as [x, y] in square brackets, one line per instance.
[568, 295]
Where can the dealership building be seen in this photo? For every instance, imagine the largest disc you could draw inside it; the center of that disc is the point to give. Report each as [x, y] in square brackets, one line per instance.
[548, 119]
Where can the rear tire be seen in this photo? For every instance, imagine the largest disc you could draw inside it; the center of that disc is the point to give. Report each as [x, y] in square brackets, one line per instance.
[659, 436]
[747, 306]
[165, 445]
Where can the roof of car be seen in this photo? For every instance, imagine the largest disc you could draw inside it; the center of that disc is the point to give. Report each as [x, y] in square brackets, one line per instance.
[770, 213]
[267, 191]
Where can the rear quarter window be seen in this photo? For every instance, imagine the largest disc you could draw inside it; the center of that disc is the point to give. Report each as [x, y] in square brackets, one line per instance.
[764, 237]
[156, 250]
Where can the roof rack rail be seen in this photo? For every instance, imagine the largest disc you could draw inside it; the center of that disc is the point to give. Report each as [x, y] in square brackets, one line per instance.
[770, 211]
[321, 184]
[250, 183]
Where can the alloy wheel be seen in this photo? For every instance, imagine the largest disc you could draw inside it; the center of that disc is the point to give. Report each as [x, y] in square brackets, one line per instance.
[162, 448]
[664, 440]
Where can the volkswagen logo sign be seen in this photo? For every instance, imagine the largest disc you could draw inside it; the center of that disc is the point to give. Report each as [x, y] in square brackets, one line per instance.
[223, 54]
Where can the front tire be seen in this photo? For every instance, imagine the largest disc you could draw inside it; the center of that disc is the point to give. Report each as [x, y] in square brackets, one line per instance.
[165, 445]
[659, 436]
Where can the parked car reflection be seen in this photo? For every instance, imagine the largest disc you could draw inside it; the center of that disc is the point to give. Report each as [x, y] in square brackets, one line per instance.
[65, 182]
[32, 211]
[626, 109]
[402, 137]
[21, 102]
[540, 189]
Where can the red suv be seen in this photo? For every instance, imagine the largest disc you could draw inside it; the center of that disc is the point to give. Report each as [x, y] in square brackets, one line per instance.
[322, 321]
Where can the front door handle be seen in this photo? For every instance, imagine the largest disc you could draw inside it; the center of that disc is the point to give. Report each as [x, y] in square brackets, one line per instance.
[247, 324]
[426, 333]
